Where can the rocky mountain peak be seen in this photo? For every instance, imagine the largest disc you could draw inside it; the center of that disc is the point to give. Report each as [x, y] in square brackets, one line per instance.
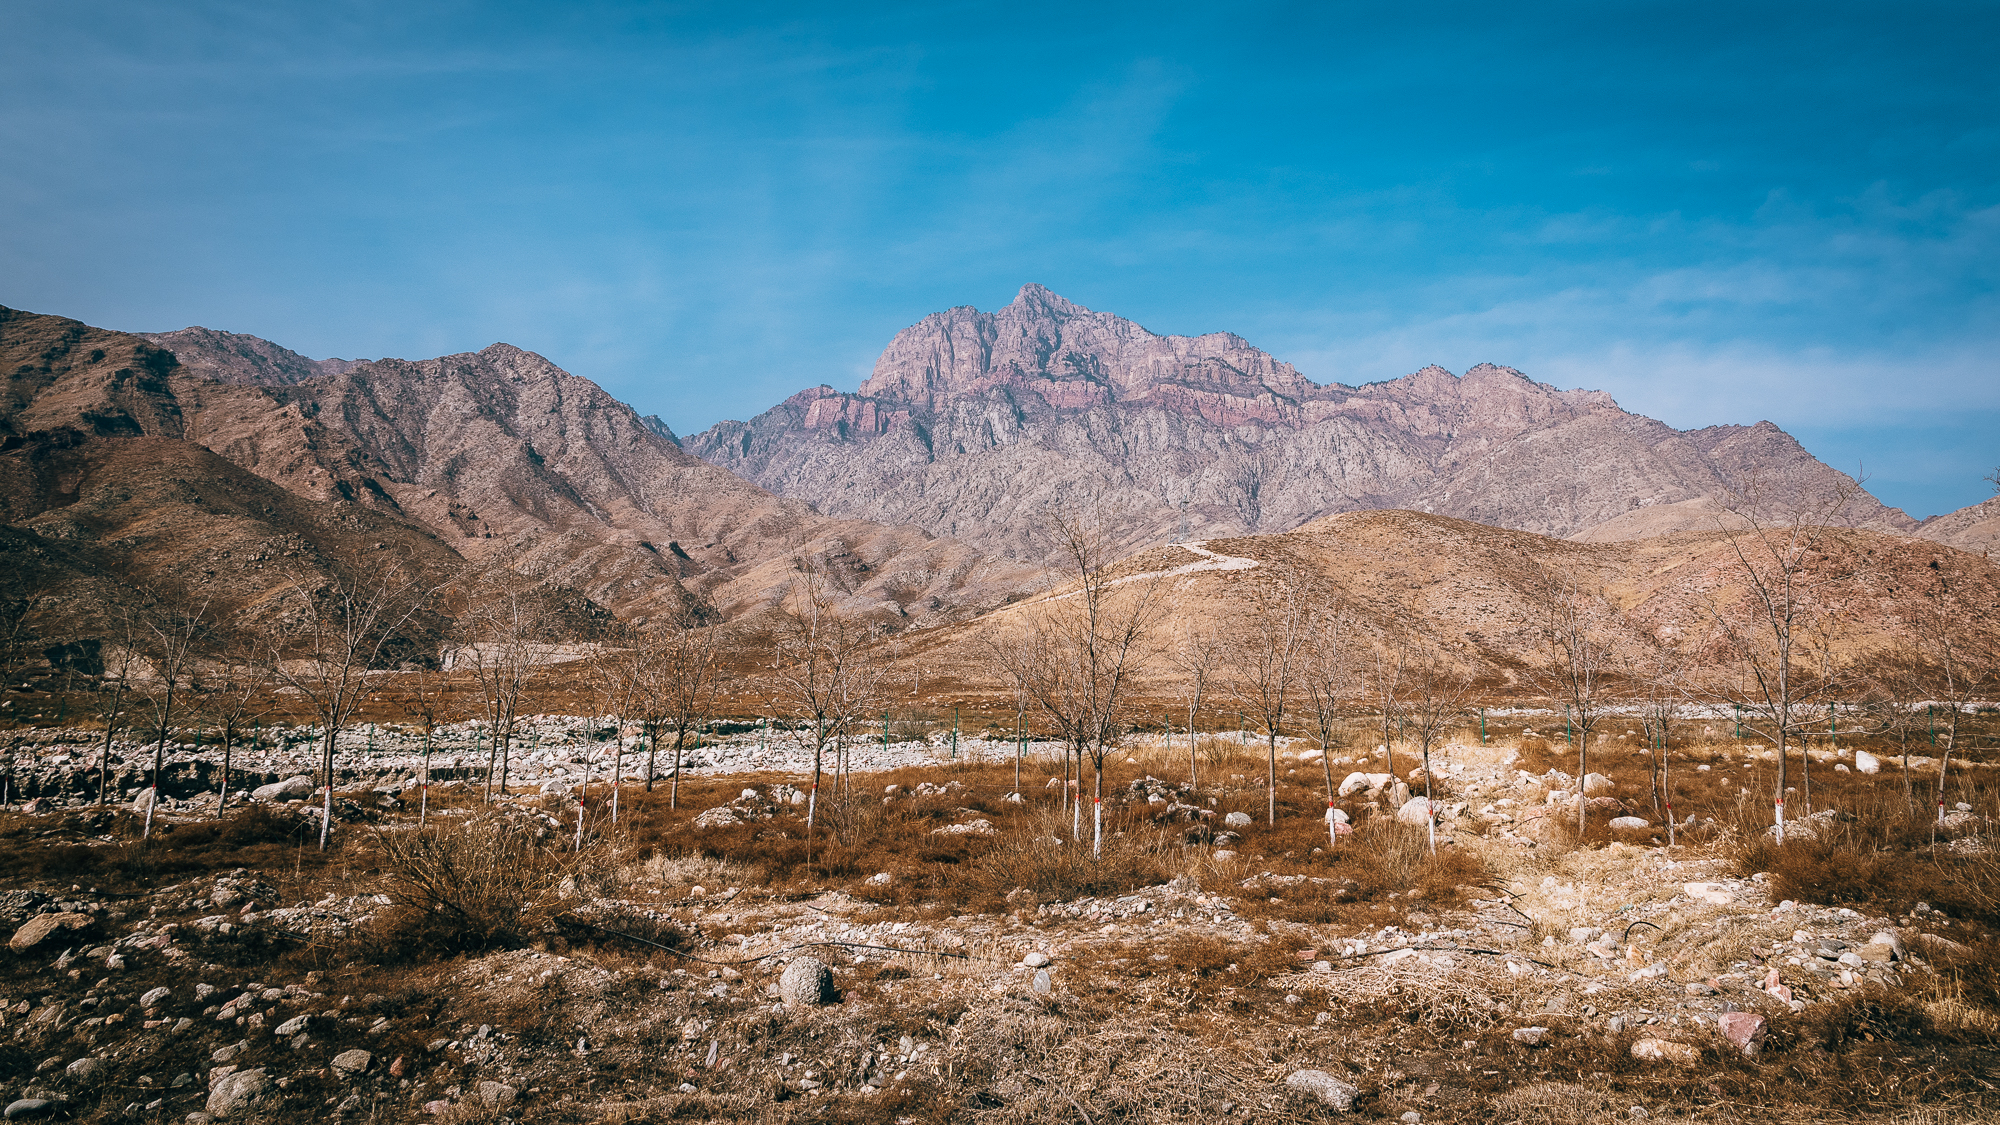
[1045, 347]
[233, 357]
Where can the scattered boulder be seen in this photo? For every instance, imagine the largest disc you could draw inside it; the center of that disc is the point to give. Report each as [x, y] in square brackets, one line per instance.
[721, 816]
[880, 879]
[1324, 1088]
[980, 827]
[1864, 762]
[1744, 1030]
[1416, 811]
[1236, 820]
[84, 1069]
[231, 1090]
[290, 789]
[153, 996]
[1035, 960]
[1630, 823]
[1664, 1050]
[1598, 785]
[495, 1094]
[350, 1063]
[293, 1026]
[1370, 783]
[38, 929]
[806, 982]
[143, 803]
[1043, 984]
[1532, 1036]
[1714, 894]
[32, 1109]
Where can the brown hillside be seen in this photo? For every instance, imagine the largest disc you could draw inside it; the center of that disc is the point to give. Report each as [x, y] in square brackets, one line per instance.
[1470, 588]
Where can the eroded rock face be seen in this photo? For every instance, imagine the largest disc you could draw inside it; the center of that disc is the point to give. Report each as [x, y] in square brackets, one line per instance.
[973, 422]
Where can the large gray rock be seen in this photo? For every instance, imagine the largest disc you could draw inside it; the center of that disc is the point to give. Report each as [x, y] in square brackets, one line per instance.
[290, 789]
[351, 1063]
[806, 982]
[1598, 785]
[233, 1091]
[1322, 1087]
[32, 1109]
[1236, 820]
[1416, 810]
[85, 1069]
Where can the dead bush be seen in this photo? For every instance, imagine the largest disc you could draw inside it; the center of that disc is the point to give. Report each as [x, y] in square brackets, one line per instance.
[485, 884]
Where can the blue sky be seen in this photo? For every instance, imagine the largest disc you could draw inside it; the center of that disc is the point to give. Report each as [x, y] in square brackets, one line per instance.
[1719, 213]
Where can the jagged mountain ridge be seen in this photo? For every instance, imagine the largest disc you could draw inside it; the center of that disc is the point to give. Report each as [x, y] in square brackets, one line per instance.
[232, 357]
[973, 423]
[497, 458]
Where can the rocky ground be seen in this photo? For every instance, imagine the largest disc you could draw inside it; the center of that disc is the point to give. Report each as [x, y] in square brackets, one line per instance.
[1258, 977]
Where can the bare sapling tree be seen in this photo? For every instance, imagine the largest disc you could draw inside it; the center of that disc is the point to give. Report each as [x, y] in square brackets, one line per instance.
[507, 638]
[423, 693]
[618, 676]
[824, 673]
[1777, 535]
[1385, 678]
[237, 698]
[121, 665]
[1954, 664]
[1436, 690]
[1574, 672]
[1082, 649]
[17, 650]
[1325, 680]
[335, 631]
[1660, 667]
[1196, 654]
[683, 667]
[178, 631]
[1264, 670]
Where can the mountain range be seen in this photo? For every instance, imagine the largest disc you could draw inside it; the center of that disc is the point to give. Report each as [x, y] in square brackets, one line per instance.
[235, 466]
[973, 423]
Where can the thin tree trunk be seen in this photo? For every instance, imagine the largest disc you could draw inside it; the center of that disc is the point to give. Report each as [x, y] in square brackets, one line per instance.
[424, 784]
[1430, 806]
[1271, 795]
[674, 782]
[228, 745]
[1097, 810]
[326, 809]
[111, 727]
[1326, 765]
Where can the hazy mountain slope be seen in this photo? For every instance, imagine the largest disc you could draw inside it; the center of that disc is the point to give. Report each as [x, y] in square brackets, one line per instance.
[973, 423]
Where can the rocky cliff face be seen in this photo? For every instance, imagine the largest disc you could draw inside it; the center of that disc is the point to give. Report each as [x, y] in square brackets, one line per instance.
[494, 459]
[973, 423]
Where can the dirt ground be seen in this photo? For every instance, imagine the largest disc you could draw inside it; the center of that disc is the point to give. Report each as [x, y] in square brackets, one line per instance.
[983, 963]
